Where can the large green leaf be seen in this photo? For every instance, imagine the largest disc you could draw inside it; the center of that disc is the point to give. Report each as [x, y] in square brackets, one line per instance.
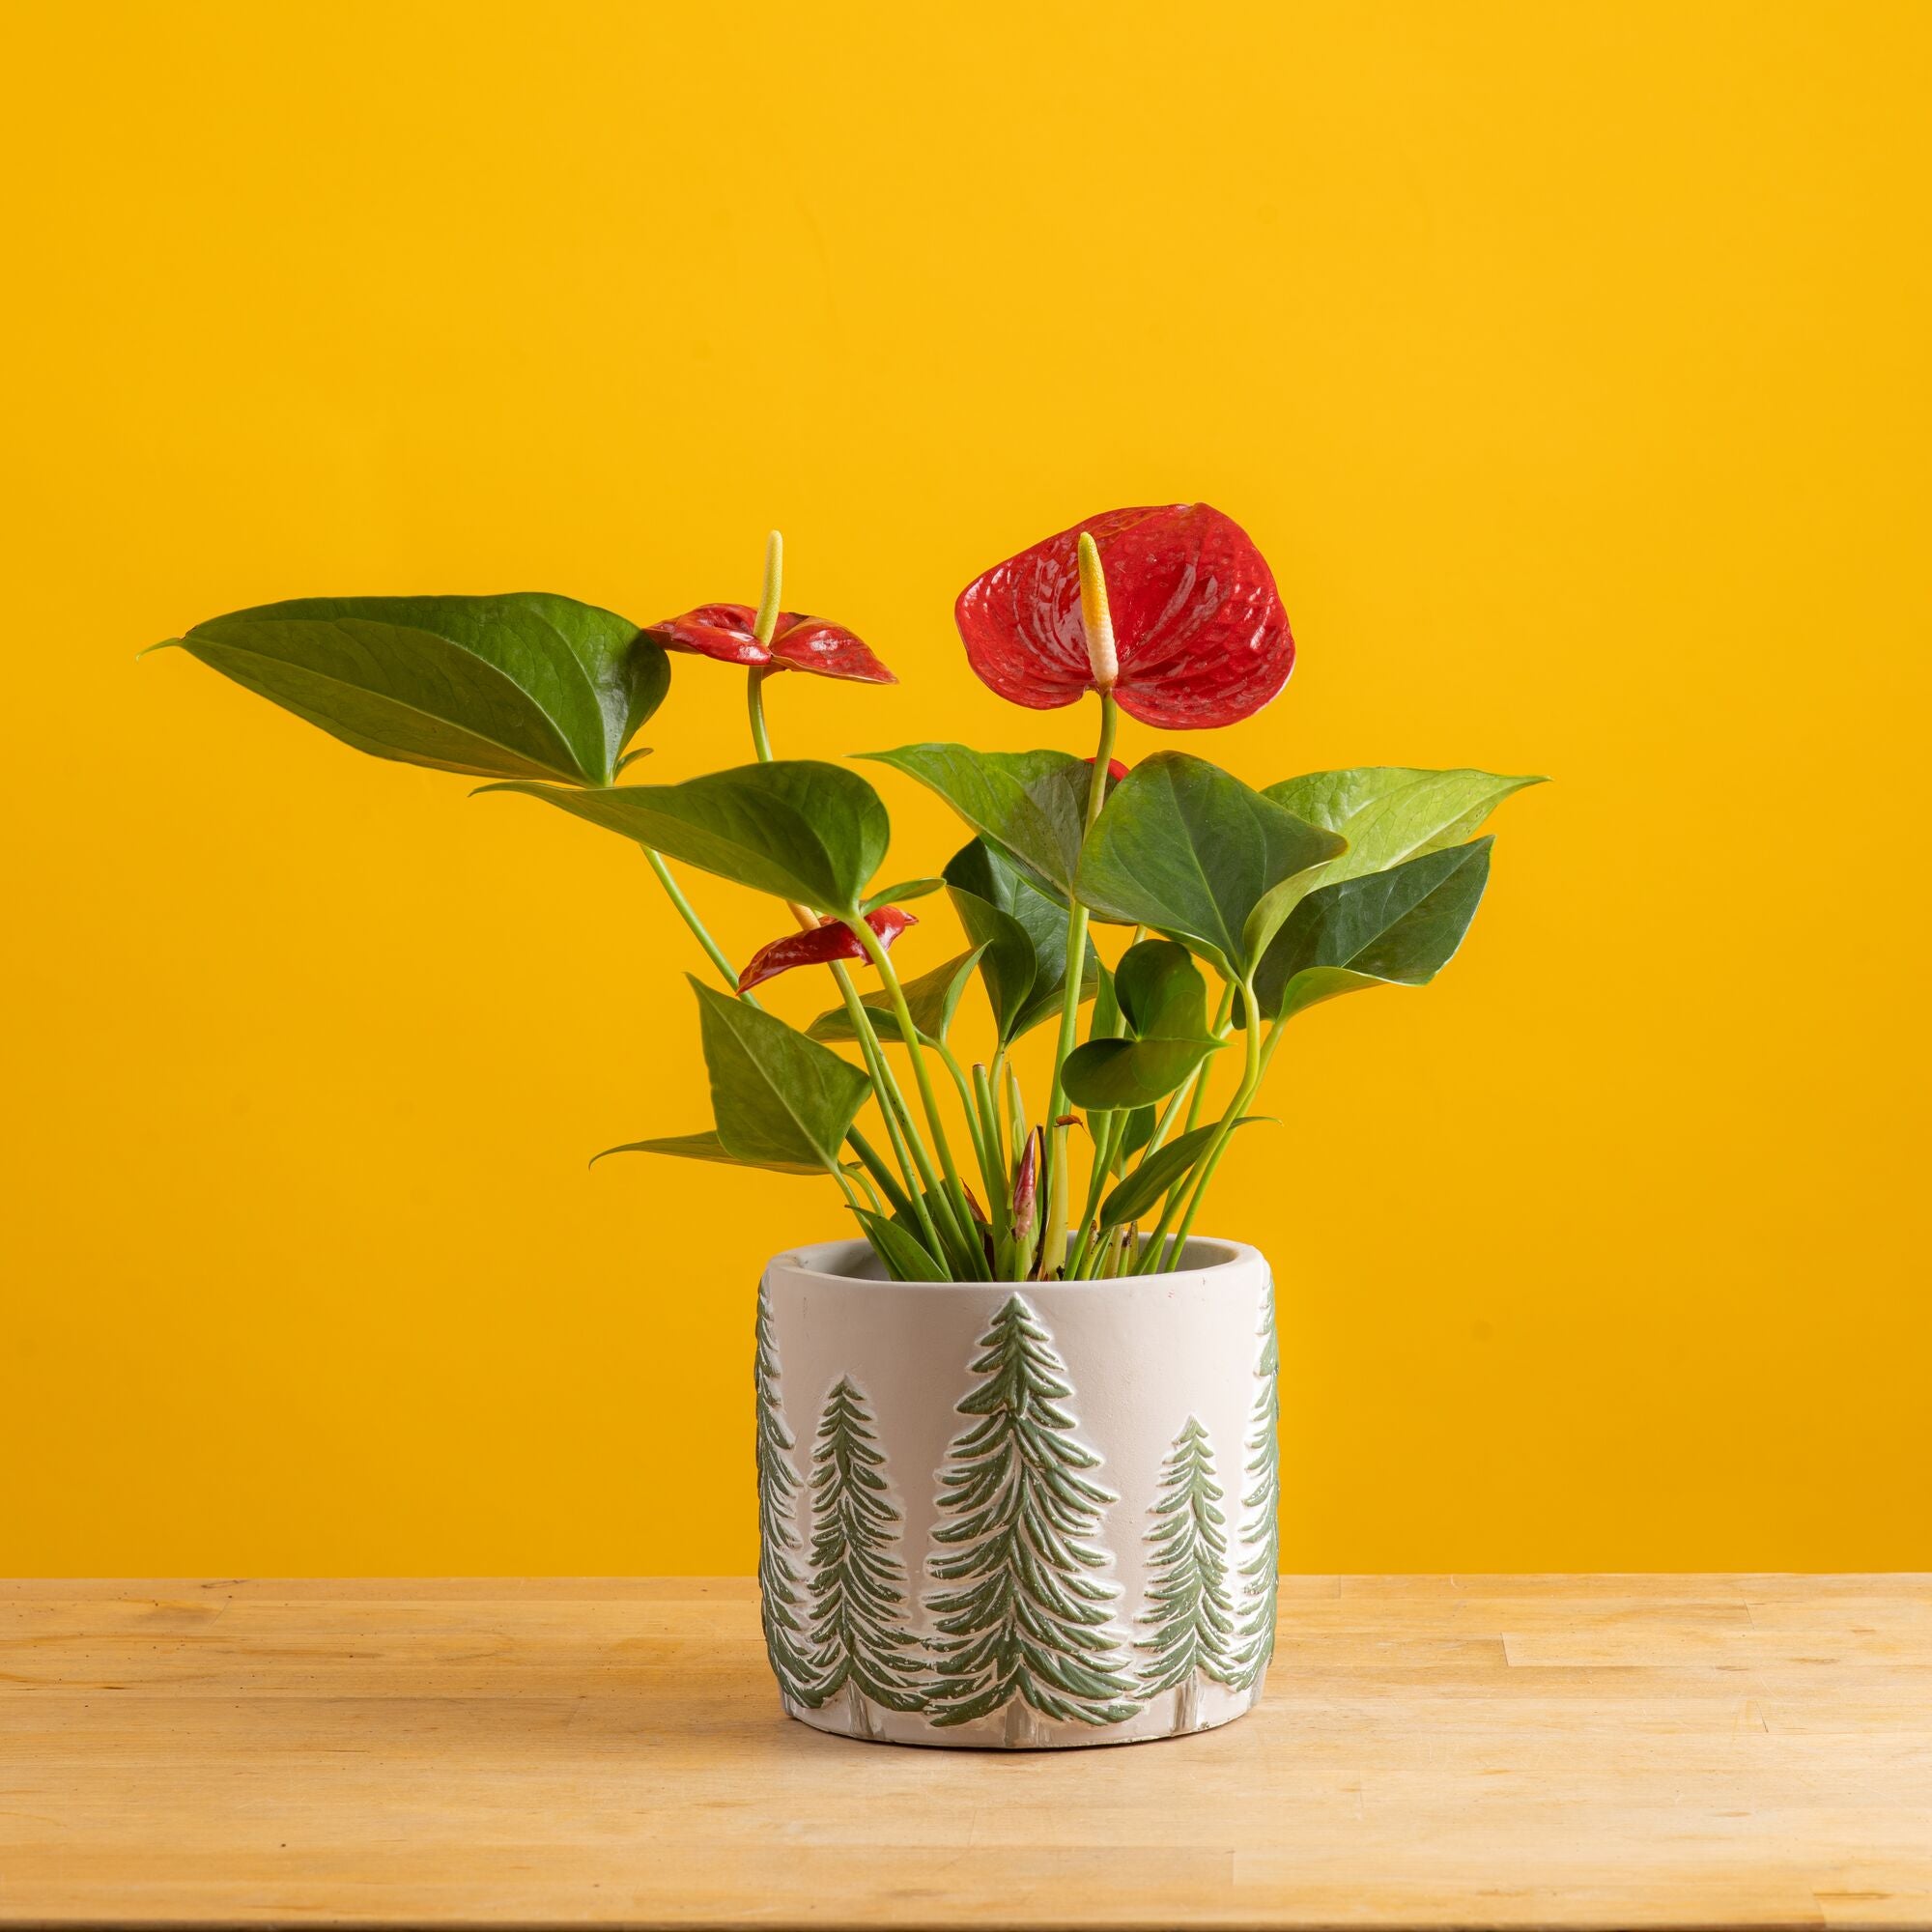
[708, 1147]
[932, 999]
[1190, 851]
[778, 1098]
[805, 831]
[1143, 1189]
[1398, 927]
[522, 686]
[1033, 804]
[1164, 1000]
[1024, 933]
[1390, 813]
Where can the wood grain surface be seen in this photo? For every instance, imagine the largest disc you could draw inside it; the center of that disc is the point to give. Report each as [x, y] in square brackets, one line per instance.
[1594, 1751]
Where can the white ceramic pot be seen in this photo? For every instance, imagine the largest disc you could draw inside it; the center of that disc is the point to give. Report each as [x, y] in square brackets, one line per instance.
[1005, 1515]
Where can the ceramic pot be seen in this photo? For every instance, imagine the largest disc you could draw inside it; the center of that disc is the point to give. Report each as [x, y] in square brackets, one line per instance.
[1016, 1515]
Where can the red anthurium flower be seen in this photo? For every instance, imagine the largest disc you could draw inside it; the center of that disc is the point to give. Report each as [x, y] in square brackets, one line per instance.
[1198, 628]
[821, 945]
[1116, 769]
[725, 632]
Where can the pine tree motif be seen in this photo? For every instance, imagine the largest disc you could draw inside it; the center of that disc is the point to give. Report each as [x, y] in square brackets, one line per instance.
[777, 1485]
[1030, 1629]
[858, 1632]
[1260, 1573]
[1190, 1612]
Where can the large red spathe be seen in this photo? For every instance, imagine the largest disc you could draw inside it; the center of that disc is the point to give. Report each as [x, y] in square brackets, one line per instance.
[1198, 625]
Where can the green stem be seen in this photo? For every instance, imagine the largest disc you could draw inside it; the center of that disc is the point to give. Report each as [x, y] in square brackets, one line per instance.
[877, 1167]
[1112, 1126]
[913, 1163]
[954, 1190]
[755, 700]
[995, 1170]
[963, 1087]
[688, 913]
[1053, 1251]
[1251, 1079]
[1224, 1014]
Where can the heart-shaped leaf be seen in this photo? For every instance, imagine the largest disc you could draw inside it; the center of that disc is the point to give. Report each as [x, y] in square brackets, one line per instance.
[1398, 927]
[708, 1147]
[797, 828]
[1033, 804]
[1024, 933]
[1162, 992]
[778, 1098]
[1189, 850]
[1164, 1001]
[932, 999]
[1148, 1185]
[522, 686]
[1107, 1073]
[1390, 813]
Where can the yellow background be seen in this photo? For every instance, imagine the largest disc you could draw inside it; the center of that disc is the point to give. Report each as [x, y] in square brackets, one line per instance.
[1569, 366]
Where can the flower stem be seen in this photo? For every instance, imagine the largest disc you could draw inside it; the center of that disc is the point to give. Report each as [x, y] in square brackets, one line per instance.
[913, 1161]
[1053, 1250]
[954, 1192]
[1204, 1172]
[755, 703]
[686, 911]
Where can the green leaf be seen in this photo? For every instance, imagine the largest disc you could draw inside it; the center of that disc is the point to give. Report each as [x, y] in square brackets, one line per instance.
[1136, 1134]
[1398, 927]
[1033, 804]
[1162, 992]
[1107, 1073]
[1390, 813]
[1164, 1000]
[932, 999]
[796, 828]
[898, 894]
[1024, 933]
[1190, 851]
[707, 1147]
[523, 686]
[1148, 1185]
[904, 1255]
[778, 1097]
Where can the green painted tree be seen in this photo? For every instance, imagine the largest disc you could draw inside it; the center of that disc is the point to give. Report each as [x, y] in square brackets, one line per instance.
[858, 1629]
[778, 1483]
[1030, 1627]
[1260, 1573]
[1190, 1612]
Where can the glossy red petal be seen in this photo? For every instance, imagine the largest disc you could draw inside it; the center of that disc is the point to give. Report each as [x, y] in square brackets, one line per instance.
[1117, 769]
[810, 643]
[821, 945]
[721, 631]
[1198, 624]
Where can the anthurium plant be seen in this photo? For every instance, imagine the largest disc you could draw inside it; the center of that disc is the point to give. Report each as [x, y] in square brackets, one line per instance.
[1224, 912]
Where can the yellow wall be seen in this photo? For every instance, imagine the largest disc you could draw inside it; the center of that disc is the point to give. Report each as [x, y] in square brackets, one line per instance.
[1570, 364]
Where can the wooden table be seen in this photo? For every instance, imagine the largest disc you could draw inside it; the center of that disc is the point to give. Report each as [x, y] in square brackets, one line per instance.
[1527, 1751]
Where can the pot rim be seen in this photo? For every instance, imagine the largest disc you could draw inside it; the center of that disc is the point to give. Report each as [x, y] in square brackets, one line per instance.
[812, 1258]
